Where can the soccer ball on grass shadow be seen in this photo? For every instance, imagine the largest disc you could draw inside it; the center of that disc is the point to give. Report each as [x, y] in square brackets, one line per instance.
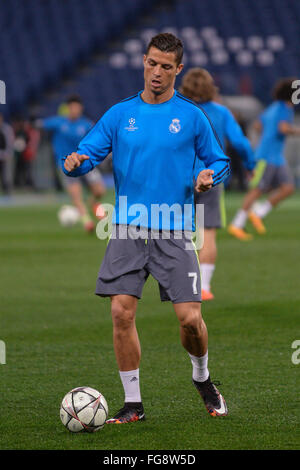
[68, 215]
[83, 409]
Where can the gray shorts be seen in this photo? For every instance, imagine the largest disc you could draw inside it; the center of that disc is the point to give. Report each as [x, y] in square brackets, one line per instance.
[128, 263]
[88, 179]
[212, 206]
[274, 176]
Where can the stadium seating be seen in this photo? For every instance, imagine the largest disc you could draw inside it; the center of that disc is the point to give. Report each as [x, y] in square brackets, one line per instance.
[43, 41]
[246, 45]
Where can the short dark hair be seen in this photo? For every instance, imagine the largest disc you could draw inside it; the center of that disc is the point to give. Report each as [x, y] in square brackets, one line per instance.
[167, 42]
[74, 99]
[283, 89]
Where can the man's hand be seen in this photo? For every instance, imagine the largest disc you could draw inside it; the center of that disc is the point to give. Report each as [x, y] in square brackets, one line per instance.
[74, 160]
[204, 181]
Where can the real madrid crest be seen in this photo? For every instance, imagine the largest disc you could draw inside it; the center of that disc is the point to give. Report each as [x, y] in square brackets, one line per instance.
[175, 127]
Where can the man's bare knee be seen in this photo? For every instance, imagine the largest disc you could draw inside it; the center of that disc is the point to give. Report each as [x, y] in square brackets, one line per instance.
[289, 188]
[192, 322]
[123, 314]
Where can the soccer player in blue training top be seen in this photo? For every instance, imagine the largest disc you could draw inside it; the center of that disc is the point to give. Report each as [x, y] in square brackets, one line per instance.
[155, 137]
[67, 131]
[272, 171]
[198, 85]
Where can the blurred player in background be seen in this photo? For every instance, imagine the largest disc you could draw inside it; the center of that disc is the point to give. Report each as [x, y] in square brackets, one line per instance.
[272, 171]
[6, 154]
[155, 137]
[198, 85]
[27, 139]
[67, 132]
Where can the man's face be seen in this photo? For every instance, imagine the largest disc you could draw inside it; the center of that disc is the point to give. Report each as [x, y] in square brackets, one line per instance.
[75, 110]
[160, 70]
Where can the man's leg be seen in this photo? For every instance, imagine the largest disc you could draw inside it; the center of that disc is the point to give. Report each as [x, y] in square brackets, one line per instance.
[125, 336]
[241, 216]
[97, 189]
[128, 354]
[75, 192]
[214, 218]
[207, 257]
[284, 191]
[194, 338]
[193, 331]
[261, 209]
[236, 228]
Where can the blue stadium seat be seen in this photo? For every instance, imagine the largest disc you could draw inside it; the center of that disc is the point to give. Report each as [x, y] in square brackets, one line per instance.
[44, 41]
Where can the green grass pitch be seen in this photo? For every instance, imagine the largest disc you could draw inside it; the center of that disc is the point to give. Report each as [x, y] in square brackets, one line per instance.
[58, 336]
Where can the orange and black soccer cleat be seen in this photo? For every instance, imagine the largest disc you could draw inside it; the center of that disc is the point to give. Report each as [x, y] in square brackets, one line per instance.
[239, 233]
[207, 295]
[130, 413]
[257, 223]
[213, 400]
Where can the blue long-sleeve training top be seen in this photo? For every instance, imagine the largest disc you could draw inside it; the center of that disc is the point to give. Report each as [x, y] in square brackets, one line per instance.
[154, 147]
[227, 128]
[66, 133]
[271, 143]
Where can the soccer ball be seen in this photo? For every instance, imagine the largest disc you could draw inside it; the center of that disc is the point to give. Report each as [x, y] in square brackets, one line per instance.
[83, 409]
[68, 216]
